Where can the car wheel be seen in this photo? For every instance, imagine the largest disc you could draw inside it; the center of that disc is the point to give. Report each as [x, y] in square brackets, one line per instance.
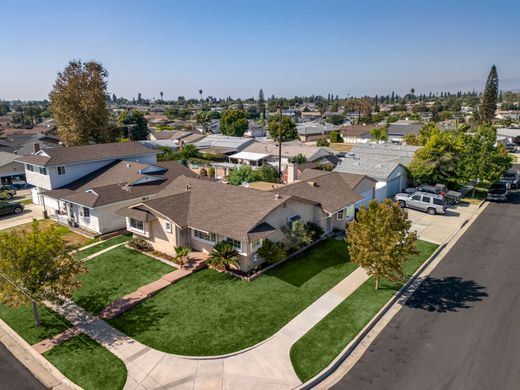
[431, 211]
[17, 210]
[402, 204]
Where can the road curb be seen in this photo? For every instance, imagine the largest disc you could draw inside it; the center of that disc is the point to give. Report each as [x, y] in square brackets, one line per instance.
[349, 349]
[40, 367]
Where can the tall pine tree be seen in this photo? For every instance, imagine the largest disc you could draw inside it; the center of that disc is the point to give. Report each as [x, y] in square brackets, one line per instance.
[489, 101]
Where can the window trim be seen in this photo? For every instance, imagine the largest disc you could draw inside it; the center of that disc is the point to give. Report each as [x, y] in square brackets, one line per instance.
[342, 218]
[135, 229]
[232, 242]
[255, 248]
[85, 212]
[168, 227]
[63, 170]
[30, 167]
[42, 171]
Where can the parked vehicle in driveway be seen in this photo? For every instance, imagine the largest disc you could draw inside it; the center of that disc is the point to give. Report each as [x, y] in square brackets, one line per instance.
[423, 201]
[7, 192]
[513, 177]
[498, 191]
[452, 197]
[7, 208]
[510, 147]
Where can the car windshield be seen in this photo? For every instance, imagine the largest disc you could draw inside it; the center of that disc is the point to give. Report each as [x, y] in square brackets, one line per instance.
[497, 186]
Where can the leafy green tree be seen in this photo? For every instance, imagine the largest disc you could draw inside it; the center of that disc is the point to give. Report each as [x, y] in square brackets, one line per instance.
[272, 252]
[223, 255]
[335, 119]
[268, 173]
[438, 160]
[242, 174]
[203, 118]
[79, 104]
[379, 134]
[289, 131]
[380, 241]
[297, 235]
[181, 253]
[299, 159]
[234, 122]
[188, 152]
[135, 124]
[411, 139]
[335, 137]
[36, 266]
[480, 159]
[489, 101]
[322, 142]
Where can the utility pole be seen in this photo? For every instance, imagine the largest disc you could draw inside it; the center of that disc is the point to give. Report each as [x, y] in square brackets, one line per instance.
[280, 139]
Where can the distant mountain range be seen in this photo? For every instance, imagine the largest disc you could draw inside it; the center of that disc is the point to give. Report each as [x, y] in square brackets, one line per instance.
[511, 84]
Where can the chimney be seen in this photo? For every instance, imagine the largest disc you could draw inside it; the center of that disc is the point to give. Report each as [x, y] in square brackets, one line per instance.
[292, 172]
[277, 196]
[36, 147]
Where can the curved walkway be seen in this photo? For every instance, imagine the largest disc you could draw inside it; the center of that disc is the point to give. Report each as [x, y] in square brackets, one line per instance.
[265, 366]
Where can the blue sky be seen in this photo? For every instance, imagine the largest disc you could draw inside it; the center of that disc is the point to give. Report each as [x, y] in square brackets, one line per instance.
[234, 48]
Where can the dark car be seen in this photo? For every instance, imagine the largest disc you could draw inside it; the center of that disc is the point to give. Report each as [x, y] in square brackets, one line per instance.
[513, 177]
[7, 192]
[7, 208]
[498, 192]
[510, 147]
[451, 196]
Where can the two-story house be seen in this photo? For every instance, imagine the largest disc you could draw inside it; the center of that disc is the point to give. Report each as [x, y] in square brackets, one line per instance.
[52, 168]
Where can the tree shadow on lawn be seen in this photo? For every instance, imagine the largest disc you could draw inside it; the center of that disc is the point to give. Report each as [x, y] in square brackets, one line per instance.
[144, 317]
[445, 294]
[94, 300]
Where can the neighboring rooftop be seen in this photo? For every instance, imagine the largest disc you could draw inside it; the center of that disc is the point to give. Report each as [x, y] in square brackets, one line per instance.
[226, 142]
[377, 167]
[384, 149]
[76, 154]
[7, 158]
[332, 190]
[288, 149]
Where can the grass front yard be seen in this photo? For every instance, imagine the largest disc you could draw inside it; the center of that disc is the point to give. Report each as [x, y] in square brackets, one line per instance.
[115, 274]
[21, 320]
[103, 245]
[212, 313]
[88, 364]
[316, 349]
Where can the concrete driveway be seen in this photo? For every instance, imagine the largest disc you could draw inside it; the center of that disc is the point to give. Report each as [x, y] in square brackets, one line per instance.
[30, 211]
[438, 228]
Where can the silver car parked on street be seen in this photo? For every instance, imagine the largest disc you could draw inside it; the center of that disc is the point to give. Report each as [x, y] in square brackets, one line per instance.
[423, 201]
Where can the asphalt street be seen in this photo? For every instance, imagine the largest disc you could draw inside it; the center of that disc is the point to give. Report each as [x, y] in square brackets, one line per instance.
[461, 328]
[14, 375]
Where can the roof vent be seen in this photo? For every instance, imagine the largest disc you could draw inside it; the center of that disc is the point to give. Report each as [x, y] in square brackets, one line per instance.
[188, 187]
[128, 165]
[277, 196]
[313, 183]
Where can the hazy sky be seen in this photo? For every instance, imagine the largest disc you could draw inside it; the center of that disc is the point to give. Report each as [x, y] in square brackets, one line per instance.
[237, 47]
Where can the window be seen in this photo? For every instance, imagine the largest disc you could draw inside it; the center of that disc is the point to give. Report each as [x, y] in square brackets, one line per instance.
[340, 215]
[293, 220]
[416, 197]
[43, 170]
[438, 201]
[168, 227]
[30, 167]
[137, 225]
[61, 170]
[426, 199]
[85, 212]
[235, 244]
[254, 257]
[205, 236]
[256, 244]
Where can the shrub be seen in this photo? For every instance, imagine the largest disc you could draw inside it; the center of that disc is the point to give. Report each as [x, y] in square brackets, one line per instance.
[322, 142]
[267, 173]
[296, 236]
[211, 171]
[315, 230]
[203, 172]
[140, 244]
[335, 137]
[272, 252]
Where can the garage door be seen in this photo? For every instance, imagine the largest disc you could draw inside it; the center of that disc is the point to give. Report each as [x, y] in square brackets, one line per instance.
[393, 186]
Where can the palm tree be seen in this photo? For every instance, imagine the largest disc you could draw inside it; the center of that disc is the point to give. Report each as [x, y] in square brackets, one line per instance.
[223, 255]
[272, 252]
[200, 93]
[161, 93]
[181, 252]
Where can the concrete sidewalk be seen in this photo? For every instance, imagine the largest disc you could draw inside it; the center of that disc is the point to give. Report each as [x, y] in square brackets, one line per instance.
[264, 366]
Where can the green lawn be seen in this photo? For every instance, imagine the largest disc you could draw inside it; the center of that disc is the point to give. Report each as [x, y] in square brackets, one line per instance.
[212, 313]
[88, 364]
[21, 320]
[103, 245]
[314, 351]
[114, 274]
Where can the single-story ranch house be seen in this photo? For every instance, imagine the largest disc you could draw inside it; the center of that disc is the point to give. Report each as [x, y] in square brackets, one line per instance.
[197, 213]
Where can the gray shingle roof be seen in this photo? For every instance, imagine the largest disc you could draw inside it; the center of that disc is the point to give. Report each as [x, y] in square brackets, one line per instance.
[73, 154]
[376, 167]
